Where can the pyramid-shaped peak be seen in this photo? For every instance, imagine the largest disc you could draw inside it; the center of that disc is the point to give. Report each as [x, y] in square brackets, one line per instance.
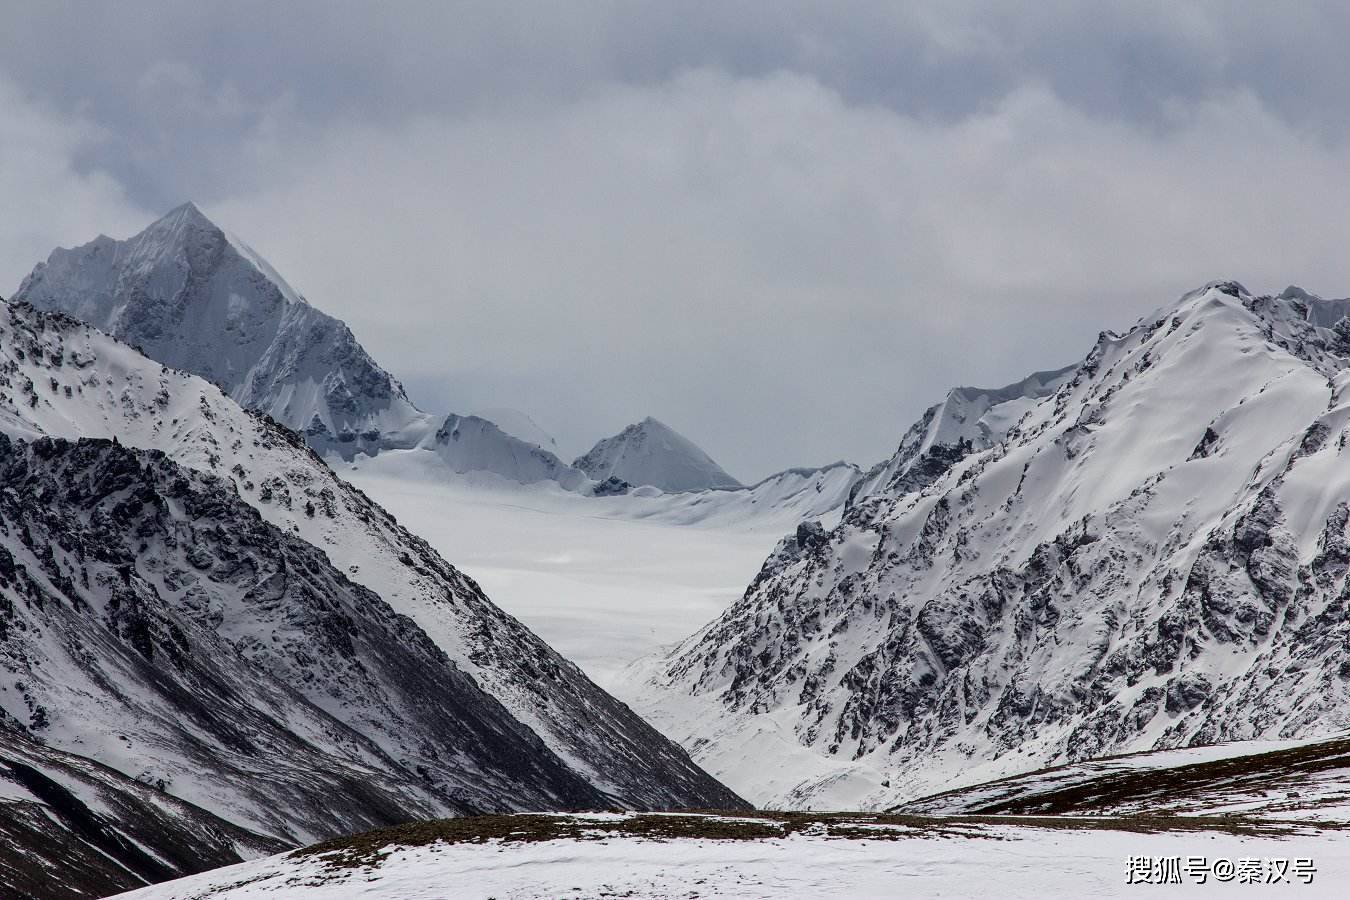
[650, 452]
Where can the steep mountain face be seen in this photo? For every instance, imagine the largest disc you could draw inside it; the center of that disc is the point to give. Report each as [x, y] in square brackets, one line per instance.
[653, 453]
[194, 298]
[153, 621]
[61, 378]
[72, 828]
[1154, 555]
[968, 420]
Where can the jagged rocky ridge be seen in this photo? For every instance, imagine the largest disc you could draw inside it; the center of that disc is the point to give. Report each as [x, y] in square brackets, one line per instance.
[1152, 555]
[61, 378]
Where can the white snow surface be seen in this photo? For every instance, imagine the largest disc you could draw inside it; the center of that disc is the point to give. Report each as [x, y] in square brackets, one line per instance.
[1014, 861]
[652, 453]
[605, 580]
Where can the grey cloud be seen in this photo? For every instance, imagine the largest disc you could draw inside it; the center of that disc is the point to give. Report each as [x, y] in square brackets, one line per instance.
[179, 86]
[784, 228]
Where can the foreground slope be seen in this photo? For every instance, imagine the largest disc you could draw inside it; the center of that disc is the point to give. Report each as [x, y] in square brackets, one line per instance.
[1153, 556]
[786, 855]
[652, 453]
[59, 377]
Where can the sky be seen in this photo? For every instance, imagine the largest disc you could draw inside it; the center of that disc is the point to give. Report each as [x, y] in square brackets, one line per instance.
[782, 228]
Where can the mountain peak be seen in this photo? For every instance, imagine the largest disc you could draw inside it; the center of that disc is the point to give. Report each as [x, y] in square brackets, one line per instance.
[650, 452]
[194, 297]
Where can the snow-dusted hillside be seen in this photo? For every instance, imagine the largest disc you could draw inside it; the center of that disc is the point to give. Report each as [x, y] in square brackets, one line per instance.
[1154, 555]
[652, 453]
[61, 378]
[154, 622]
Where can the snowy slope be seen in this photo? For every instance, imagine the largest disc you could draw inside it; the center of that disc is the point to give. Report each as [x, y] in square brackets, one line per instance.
[652, 453]
[757, 856]
[1153, 556]
[62, 378]
[519, 425]
[782, 500]
[1304, 780]
[967, 420]
[72, 828]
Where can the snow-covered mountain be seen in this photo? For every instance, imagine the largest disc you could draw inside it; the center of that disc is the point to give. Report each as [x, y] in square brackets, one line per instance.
[193, 297]
[190, 295]
[165, 629]
[652, 453]
[1153, 555]
[473, 444]
[348, 634]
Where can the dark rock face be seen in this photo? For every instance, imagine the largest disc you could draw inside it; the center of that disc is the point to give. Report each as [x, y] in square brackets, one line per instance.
[612, 486]
[1134, 565]
[54, 845]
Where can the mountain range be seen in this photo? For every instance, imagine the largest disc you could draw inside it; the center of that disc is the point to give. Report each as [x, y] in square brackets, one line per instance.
[192, 296]
[214, 647]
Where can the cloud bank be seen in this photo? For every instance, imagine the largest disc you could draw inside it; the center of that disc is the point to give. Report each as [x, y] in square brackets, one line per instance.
[783, 235]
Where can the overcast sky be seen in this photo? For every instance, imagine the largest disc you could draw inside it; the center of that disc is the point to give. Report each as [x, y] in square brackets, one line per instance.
[782, 228]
